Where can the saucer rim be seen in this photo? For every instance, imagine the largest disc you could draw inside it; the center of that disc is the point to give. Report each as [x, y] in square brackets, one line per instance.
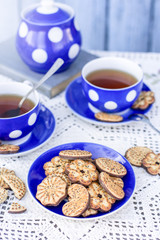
[34, 148]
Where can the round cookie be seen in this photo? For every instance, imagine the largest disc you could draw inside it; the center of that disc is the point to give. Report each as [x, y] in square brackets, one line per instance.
[111, 167]
[51, 191]
[75, 154]
[105, 117]
[110, 186]
[135, 155]
[78, 201]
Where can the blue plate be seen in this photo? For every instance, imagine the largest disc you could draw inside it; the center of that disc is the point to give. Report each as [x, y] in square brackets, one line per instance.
[36, 174]
[77, 102]
[41, 133]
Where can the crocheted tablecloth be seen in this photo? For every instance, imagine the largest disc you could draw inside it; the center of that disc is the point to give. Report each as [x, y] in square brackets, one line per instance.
[139, 219]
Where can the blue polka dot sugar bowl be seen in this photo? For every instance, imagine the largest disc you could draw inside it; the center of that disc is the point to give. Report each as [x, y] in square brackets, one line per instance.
[18, 127]
[112, 84]
[47, 31]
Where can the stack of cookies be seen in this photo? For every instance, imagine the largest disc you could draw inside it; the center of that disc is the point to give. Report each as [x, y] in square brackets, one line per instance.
[144, 157]
[88, 185]
[9, 181]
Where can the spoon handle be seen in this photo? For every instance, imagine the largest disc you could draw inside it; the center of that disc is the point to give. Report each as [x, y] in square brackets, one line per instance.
[152, 126]
[56, 65]
[145, 119]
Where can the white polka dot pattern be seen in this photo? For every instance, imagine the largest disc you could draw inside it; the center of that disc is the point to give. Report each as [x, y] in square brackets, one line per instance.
[55, 34]
[92, 108]
[76, 25]
[39, 56]
[73, 51]
[23, 30]
[131, 96]
[110, 105]
[15, 134]
[93, 95]
[32, 119]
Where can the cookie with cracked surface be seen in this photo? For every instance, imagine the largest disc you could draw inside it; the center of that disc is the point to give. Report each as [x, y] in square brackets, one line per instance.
[75, 154]
[135, 155]
[111, 167]
[55, 166]
[78, 201]
[8, 148]
[105, 117]
[16, 184]
[144, 100]
[80, 171]
[4, 171]
[99, 198]
[152, 163]
[16, 208]
[3, 195]
[51, 191]
[110, 186]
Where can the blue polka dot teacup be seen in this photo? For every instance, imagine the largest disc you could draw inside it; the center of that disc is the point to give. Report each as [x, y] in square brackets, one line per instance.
[48, 31]
[13, 128]
[109, 99]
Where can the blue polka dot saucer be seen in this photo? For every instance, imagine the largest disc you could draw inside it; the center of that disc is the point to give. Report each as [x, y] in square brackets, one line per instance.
[46, 32]
[42, 132]
[78, 103]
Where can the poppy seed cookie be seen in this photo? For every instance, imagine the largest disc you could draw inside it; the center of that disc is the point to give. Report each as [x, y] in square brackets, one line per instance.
[111, 167]
[110, 186]
[75, 154]
[135, 155]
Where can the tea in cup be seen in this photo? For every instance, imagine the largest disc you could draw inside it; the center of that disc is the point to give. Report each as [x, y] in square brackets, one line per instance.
[13, 128]
[112, 84]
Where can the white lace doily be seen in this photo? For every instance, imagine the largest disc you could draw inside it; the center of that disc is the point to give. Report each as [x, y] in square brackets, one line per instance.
[139, 219]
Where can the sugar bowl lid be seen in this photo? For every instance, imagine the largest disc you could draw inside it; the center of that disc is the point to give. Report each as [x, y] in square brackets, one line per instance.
[48, 12]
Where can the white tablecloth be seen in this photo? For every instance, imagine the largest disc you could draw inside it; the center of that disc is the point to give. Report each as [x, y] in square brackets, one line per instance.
[139, 219]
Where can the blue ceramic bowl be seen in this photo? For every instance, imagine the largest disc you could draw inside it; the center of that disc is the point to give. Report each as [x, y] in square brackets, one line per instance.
[36, 174]
[18, 127]
[112, 100]
[48, 31]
